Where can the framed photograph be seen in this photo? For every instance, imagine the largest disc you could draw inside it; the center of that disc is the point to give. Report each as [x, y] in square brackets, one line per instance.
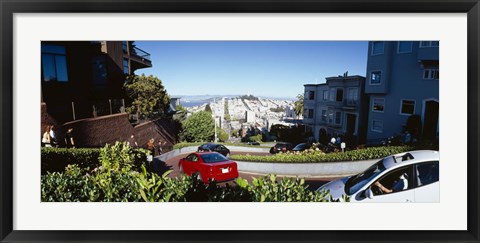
[296, 49]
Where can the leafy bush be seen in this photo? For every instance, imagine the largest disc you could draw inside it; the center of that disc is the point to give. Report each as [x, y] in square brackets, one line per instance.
[318, 156]
[256, 138]
[76, 185]
[56, 159]
[198, 127]
[122, 157]
[269, 189]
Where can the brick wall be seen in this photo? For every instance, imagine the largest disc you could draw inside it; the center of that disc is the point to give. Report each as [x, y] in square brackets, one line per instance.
[96, 132]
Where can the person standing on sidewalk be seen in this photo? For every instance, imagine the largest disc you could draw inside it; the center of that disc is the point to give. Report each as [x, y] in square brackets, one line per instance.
[69, 141]
[160, 147]
[151, 146]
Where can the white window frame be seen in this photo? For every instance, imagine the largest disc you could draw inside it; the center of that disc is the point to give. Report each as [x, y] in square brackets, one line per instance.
[401, 106]
[332, 94]
[336, 122]
[327, 93]
[431, 73]
[313, 114]
[330, 117]
[323, 117]
[383, 51]
[373, 129]
[401, 52]
[370, 77]
[349, 101]
[343, 94]
[373, 104]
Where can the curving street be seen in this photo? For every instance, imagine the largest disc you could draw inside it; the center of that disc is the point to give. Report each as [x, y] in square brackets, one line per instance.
[172, 164]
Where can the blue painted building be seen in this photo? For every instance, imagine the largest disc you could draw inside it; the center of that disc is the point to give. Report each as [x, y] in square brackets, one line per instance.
[338, 107]
[402, 80]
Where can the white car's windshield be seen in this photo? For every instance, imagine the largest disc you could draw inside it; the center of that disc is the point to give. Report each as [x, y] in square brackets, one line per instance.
[358, 181]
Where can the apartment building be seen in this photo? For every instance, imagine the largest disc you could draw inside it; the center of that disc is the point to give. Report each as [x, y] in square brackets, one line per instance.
[402, 80]
[336, 108]
[83, 79]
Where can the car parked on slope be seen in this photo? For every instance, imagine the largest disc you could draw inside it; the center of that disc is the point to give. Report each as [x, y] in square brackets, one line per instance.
[405, 177]
[281, 147]
[208, 166]
[213, 147]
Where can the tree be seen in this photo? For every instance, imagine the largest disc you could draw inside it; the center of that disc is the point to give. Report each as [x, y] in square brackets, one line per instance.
[222, 135]
[299, 105]
[148, 97]
[199, 127]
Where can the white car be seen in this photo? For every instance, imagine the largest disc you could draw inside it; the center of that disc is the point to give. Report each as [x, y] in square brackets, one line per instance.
[407, 177]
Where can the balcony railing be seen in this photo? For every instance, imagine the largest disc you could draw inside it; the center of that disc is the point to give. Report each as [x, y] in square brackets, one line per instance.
[140, 53]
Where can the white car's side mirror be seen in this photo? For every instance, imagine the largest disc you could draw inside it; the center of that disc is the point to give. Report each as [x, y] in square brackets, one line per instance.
[369, 193]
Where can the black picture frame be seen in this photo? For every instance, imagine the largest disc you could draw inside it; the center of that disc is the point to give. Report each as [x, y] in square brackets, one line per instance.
[10, 7]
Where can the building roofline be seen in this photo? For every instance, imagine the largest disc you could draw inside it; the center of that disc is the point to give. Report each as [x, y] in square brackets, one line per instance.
[345, 77]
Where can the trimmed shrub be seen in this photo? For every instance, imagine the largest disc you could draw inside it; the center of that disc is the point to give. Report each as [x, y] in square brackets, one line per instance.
[56, 159]
[318, 156]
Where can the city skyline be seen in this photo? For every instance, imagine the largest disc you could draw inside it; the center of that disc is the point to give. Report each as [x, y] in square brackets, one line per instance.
[260, 68]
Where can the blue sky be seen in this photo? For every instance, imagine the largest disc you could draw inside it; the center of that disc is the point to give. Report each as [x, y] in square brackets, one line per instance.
[260, 68]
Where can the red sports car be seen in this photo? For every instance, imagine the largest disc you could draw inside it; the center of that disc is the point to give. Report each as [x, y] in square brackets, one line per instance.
[209, 165]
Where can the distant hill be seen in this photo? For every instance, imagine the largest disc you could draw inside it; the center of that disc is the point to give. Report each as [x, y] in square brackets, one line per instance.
[248, 97]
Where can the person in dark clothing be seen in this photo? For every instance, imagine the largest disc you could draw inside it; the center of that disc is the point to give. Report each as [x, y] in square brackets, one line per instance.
[160, 147]
[69, 141]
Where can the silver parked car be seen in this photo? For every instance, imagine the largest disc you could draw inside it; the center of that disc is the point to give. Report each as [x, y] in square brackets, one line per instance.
[407, 177]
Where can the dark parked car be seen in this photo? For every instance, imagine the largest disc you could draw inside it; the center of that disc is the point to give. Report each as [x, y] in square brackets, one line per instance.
[213, 147]
[300, 147]
[281, 147]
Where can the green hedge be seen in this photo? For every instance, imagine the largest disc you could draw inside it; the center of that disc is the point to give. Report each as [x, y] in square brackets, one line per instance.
[185, 144]
[56, 159]
[318, 156]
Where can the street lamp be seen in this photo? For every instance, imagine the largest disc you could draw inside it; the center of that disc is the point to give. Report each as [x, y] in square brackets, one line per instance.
[215, 127]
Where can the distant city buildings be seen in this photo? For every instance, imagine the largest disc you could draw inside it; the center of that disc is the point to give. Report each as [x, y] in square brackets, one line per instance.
[248, 116]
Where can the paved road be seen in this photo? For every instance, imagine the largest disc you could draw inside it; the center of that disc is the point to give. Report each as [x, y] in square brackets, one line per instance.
[172, 164]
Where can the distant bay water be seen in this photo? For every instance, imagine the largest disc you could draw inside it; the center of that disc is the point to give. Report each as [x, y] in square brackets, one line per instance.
[193, 103]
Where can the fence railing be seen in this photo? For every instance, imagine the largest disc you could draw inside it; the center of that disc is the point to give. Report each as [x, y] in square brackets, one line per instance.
[99, 108]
